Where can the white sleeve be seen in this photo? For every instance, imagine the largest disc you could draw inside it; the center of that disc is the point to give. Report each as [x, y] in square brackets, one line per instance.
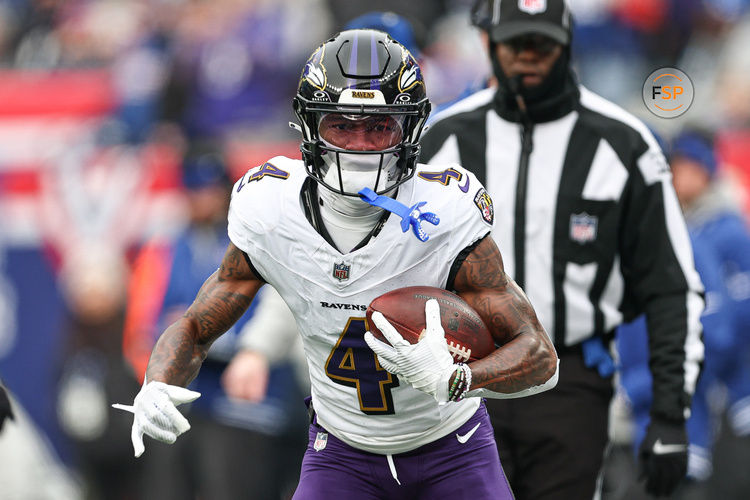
[272, 330]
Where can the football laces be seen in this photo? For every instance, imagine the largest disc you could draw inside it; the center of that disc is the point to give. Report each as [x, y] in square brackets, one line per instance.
[460, 353]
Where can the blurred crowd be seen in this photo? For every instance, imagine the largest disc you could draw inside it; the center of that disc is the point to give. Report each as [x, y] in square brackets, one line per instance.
[123, 124]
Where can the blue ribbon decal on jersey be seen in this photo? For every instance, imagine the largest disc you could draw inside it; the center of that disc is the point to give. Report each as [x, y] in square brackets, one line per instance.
[410, 216]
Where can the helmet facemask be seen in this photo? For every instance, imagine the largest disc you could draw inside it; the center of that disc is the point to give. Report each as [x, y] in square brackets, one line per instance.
[350, 151]
[359, 151]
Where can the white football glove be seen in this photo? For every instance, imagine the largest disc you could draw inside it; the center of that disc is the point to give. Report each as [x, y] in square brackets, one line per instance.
[155, 413]
[426, 365]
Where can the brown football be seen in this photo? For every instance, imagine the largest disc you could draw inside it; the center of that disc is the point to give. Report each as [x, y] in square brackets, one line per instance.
[466, 334]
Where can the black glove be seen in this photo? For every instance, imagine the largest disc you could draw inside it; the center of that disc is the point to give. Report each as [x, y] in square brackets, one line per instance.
[5, 409]
[663, 456]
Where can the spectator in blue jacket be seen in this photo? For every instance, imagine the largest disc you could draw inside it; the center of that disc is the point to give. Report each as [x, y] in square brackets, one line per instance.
[721, 244]
[713, 215]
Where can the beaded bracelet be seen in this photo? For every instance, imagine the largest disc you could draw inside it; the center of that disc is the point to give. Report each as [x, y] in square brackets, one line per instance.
[456, 379]
[458, 390]
[459, 386]
[467, 386]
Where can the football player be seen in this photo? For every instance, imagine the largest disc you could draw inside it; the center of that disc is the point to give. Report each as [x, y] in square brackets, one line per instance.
[355, 218]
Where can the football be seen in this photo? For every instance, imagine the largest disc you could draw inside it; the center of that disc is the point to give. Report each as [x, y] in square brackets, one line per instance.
[467, 336]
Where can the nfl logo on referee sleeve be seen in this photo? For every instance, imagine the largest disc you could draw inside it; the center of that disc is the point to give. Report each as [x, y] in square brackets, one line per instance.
[583, 227]
[341, 271]
[321, 440]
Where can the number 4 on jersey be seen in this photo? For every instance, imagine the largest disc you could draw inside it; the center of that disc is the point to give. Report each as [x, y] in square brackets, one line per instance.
[256, 174]
[352, 363]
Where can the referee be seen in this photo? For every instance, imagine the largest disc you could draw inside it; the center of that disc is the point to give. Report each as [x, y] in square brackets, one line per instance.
[589, 226]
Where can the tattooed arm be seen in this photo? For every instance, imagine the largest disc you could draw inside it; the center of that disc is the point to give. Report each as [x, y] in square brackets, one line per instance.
[183, 346]
[221, 301]
[526, 361]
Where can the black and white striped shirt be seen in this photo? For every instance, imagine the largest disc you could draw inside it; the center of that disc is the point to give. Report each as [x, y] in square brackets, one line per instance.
[588, 224]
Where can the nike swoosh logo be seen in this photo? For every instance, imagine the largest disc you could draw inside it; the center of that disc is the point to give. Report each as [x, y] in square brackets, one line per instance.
[465, 187]
[663, 449]
[467, 436]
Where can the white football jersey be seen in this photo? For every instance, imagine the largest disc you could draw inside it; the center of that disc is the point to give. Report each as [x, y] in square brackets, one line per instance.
[355, 399]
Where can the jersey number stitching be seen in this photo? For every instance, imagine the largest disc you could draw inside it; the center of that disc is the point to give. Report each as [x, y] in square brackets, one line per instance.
[444, 177]
[267, 169]
[352, 363]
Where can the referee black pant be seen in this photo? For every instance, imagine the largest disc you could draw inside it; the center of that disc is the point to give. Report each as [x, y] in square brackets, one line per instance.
[552, 444]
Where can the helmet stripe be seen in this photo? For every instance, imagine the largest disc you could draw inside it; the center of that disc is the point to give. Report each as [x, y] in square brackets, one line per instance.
[374, 61]
[353, 59]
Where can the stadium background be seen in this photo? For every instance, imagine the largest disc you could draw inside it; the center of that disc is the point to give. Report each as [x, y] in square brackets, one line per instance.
[99, 98]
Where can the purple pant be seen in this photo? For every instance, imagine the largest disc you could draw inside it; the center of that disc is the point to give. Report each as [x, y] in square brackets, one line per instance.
[443, 469]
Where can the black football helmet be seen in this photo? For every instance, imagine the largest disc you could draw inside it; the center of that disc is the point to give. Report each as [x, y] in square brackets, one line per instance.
[362, 104]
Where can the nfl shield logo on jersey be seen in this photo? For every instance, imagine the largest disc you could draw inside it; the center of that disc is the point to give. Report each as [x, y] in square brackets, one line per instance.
[532, 6]
[341, 271]
[321, 440]
[583, 227]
